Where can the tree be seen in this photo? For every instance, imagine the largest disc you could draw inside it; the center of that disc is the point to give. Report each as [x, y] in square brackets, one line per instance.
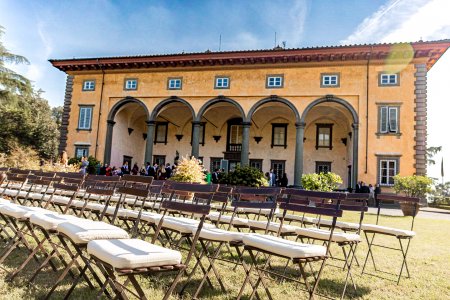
[10, 81]
[26, 119]
[430, 153]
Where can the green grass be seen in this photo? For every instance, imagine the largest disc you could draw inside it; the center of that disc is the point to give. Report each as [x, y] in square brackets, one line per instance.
[429, 264]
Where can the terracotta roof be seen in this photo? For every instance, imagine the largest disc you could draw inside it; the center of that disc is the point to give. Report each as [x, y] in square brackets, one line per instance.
[432, 50]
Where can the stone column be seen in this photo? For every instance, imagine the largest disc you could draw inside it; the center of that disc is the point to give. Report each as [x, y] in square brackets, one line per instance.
[108, 142]
[245, 143]
[195, 138]
[149, 142]
[355, 136]
[298, 164]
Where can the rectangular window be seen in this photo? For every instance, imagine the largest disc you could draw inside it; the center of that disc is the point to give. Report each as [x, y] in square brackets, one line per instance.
[222, 83]
[324, 136]
[388, 168]
[278, 167]
[130, 84]
[89, 85]
[214, 163]
[159, 159]
[85, 118]
[388, 119]
[174, 84]
[161, 132]
[201, 137]
[235, 134]
[323, 167]
[388, 79]
[330, 80]
[256, 163]
[274, 81]
[81, 151]
[279, 135]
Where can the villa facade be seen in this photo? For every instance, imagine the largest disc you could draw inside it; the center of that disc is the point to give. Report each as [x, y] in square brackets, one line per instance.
[359, 111]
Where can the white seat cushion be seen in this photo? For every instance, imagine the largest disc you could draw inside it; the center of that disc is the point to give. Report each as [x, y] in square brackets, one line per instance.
[387, 230]
[298, 218]
[273, 226]
[283, 247]
[339, 224]
[83, 231]
[219, 235]
[214, 216]
[51, 221]
[4, 201]
[257, 211]
[324, 235]
[182, 225]
[132, 253]
[22, 212]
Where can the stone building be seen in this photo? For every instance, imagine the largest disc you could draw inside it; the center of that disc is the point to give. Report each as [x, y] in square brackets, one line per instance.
[359, 111]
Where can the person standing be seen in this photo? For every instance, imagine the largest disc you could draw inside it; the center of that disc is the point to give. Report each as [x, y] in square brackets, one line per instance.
[168, 171]
[284, 180]
[272, 178]
[215, 176]
[135, 169]
[84, 165]
[377, 191]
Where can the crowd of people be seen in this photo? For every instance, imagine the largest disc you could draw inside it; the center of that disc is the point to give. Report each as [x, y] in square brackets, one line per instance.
[159, 172]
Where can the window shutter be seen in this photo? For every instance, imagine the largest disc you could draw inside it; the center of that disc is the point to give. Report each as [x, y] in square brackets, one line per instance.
[383, 119]
[88, 118]
[82, 116]
[393, 119]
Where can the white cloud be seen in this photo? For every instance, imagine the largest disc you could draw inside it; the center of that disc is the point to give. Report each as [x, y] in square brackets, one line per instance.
[412, 20]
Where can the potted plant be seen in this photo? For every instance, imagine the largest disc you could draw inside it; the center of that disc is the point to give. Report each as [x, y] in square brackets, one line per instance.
[245, 176]
[412, 186]
[325, 182]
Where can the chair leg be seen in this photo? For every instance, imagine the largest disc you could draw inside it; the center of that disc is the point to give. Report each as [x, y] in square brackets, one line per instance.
[404, 262]
[369, 252]
[349, 274]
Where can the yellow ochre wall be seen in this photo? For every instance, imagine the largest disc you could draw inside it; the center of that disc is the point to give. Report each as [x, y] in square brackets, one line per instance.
[247, 86]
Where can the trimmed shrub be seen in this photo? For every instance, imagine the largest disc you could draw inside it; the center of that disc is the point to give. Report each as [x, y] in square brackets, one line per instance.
[245, 176]
[189, 170]
[325, 182]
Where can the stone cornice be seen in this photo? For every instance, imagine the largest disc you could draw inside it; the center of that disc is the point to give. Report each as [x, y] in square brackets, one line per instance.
[430, 52]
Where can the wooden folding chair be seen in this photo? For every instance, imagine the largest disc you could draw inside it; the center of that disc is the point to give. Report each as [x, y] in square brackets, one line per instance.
[403, 236]
[142, 258]
[299, 253]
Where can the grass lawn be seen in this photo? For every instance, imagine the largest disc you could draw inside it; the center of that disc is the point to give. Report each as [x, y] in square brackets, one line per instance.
[429, 265]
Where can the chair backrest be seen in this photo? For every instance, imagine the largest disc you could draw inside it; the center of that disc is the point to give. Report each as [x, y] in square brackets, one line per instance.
[44, 174]
[413, 202]
[4, 169]
[138, 179]
[64, 189]
[70, 175]
[19, 171]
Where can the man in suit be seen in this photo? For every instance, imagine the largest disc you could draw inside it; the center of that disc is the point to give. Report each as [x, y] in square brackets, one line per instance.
[215, 176]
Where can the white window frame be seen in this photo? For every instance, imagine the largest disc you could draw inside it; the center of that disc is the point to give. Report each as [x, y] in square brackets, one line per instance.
[380, 170]
[220, 82]
[330, 78]
[385, 78]
[275, 81]
[89, 85]
[390, 123]
[131, 84]
[174, 84]
[84, 149]
[85, 118]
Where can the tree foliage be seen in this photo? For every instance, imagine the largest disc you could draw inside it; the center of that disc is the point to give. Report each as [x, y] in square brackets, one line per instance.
[413, 186]
[245, 176]
[26, 118]
[189, 170]
[430, 153]
[325, 182]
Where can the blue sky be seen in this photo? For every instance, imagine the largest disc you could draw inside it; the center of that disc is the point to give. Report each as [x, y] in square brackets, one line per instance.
[41, 30]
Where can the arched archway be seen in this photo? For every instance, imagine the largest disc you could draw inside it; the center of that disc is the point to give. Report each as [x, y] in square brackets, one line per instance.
[133, 114]
[168, 101]
[345, 111]
[274, 124]
[261, 102]
[216, 100]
